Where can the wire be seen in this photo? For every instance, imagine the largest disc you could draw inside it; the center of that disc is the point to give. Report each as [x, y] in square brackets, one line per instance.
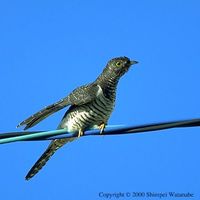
[109, 130]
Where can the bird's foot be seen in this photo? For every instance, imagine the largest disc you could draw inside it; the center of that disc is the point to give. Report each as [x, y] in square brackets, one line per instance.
[80, 133]
[102, 127]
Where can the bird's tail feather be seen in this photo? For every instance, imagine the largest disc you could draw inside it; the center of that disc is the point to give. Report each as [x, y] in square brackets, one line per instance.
[54, 145]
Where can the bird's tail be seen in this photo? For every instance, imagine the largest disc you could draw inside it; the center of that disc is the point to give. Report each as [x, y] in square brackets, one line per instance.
[54, 145]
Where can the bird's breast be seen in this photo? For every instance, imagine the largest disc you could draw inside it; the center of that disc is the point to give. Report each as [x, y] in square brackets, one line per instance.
[89, 115]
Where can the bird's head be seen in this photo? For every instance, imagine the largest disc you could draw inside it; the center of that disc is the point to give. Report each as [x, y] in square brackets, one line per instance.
[119, 66]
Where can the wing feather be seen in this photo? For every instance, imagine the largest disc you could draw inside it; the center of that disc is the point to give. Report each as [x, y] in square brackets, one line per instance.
[79, 96]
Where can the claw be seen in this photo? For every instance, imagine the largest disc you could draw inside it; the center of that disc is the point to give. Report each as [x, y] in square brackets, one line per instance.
[102, 127]
[80, 133]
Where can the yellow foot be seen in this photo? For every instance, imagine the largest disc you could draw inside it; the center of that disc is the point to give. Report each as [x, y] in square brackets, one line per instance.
[101, 128]
[80, 133]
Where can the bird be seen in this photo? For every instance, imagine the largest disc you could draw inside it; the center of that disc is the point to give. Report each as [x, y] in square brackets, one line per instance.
[90, 106]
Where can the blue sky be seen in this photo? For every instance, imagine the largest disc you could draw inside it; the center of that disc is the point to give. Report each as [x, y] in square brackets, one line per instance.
[48, 48]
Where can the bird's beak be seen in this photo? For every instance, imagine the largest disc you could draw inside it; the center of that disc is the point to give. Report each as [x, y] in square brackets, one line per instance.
[133, 62]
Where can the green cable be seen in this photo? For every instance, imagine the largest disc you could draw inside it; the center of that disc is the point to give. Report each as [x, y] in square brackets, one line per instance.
[32, 136]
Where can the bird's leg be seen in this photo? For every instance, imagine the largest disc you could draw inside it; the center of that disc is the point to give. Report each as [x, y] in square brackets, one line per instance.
[102, 127]
[80, 133]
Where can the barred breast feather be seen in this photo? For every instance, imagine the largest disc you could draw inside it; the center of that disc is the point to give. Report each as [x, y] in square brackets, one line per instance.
[88, 115]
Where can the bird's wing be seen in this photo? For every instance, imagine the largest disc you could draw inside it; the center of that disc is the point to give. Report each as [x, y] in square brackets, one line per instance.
[79, 96]
[84, 94]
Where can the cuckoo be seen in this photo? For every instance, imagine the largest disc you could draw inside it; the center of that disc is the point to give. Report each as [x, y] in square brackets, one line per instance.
[90, 107]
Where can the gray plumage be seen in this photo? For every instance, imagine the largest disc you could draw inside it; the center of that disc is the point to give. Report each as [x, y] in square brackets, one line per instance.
[90, 106]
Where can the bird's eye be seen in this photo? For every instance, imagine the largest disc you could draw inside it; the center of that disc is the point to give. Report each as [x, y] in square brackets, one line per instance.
[118, 64]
